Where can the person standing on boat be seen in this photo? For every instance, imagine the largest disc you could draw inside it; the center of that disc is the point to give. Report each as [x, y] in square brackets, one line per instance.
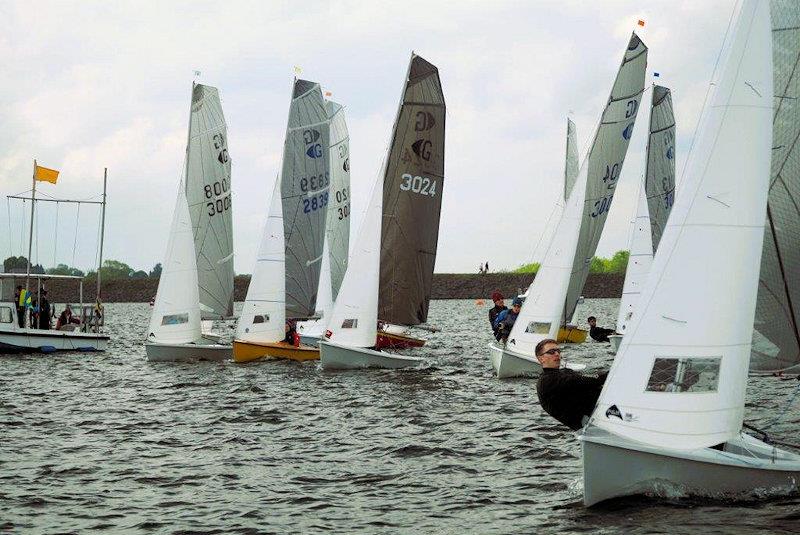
[599, 334]
[20, 306]
[505, 320]
[499, 306]
[44, 312]
[564, 394]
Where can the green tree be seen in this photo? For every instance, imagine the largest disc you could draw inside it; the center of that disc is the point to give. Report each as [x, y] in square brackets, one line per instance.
[528, 268]
[155, 272]
[63, 269]
[139, 275]
[19, 264]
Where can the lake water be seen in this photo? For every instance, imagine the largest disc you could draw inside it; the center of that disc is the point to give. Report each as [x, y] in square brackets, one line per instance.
[111, 443]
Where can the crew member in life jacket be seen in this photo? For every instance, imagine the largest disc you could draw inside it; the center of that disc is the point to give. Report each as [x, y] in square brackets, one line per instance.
[499, 306]
[599, 333]
[566, 395]
[505, 320]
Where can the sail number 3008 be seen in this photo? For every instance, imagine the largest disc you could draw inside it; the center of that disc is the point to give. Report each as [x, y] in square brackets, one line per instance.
[418, 184]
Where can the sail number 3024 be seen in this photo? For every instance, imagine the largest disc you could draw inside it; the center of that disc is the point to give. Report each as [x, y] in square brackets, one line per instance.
[418, 184]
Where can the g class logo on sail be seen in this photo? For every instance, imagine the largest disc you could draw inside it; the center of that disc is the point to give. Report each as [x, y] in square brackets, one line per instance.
[628, 132]
[314, 149]
[422, 148]
[425, 121]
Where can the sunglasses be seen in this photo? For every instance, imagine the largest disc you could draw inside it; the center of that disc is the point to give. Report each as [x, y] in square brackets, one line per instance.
[552, 351]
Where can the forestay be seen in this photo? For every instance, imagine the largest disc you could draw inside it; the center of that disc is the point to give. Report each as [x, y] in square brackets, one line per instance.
[679, 378]
[605, 163]
[571, 165]
[660, 171]
[338, 228]
[176, 310]
[355, 313]
[412, 198]
[208, 190]
[305, 185]
[264, 313]
[776, 339]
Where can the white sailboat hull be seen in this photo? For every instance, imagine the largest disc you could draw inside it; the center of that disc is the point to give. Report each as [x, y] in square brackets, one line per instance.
[614, 467]
[616, 340]
[21, 340]
[311, 331]
[337, 357]
[165, 352]
[508, 364]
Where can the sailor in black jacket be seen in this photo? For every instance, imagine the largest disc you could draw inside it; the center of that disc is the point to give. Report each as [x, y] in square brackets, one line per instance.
[564, 394]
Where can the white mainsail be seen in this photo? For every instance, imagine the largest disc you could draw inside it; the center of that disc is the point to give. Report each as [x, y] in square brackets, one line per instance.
[655, 200]
[264, 313]
[176, 310]
[571, 166]
[776, 337]
[337, 232]
[355, 313]
[549, 301]
[208, 191]
[679, 378]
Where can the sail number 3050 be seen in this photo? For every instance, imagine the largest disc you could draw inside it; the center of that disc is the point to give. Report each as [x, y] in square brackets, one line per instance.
[418, 184]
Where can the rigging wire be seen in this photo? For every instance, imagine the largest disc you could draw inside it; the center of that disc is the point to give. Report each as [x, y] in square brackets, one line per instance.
[75, 242]
[55, 239]
[10, 235]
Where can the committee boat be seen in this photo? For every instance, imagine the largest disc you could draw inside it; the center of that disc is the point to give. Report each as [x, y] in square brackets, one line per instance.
[554, 294]
[670, 414]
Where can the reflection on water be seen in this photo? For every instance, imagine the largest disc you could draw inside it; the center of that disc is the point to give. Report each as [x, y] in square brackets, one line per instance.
[110, 442]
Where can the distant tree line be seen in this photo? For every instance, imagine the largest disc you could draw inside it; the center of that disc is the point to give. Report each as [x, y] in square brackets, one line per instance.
[111, 270]
[618, 263]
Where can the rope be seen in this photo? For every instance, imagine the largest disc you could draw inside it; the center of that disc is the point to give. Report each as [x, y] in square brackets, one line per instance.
[75, 242]
[10, 235]
[55, 240]
[786, 407]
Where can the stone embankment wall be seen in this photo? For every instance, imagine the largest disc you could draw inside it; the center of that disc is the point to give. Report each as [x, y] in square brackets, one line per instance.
[445, 286]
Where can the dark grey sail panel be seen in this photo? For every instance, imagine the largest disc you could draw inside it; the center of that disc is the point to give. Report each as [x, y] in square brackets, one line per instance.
[605, 161]
[305, 181]
[660, 170]
[208, 192]
[412, 198]
[338, 229]
[776, 336]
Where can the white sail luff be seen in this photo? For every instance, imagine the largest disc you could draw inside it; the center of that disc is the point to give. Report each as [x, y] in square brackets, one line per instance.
[176, 310]
[264, 313]
[679, 378]
[640, 247]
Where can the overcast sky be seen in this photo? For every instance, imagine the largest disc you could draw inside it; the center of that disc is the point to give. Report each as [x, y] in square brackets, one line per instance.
[89, 85]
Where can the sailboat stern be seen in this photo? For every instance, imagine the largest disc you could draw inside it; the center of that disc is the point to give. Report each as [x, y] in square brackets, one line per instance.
[741, 468]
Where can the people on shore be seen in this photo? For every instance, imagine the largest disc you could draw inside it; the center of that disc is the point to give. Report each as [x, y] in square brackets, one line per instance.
[505, 320]
[499, 306]
[566, 395]
[599, 334]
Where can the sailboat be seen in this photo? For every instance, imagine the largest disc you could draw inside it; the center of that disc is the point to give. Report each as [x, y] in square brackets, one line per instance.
[176, 324]
[671, 410]
[303, 197]
[395, 248]
[655, 199]
[555, 291]
[337, 227]
[412, 203]
[776, 334]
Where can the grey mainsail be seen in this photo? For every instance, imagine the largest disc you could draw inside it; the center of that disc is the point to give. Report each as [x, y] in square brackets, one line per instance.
[571, 165]
[412, 198]
[338, 228]
[660, 172]
[208, 191]
[605, 161]
[776, 336]
[305, 182]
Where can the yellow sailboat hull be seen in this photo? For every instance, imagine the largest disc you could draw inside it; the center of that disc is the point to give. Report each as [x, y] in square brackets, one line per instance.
[569, 334]
[249, 351]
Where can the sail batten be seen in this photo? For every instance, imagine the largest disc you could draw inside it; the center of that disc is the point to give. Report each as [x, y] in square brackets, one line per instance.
[412, 198]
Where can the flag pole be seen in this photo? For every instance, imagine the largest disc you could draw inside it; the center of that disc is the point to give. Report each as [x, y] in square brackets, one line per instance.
[30, 238]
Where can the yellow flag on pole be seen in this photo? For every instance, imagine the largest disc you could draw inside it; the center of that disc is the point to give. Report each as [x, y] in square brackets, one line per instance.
[43, 174]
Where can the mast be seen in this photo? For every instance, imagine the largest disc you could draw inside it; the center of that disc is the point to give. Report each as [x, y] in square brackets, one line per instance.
[102, 233]
[30, 236]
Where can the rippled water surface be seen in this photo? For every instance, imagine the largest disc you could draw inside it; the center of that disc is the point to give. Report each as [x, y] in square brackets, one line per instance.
[109, 442]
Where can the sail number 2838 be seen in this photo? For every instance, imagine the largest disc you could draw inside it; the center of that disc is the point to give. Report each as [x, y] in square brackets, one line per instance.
[418, 184]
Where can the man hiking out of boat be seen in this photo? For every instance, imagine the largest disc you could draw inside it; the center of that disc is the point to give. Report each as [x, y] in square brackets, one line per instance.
[564, 394]
[599, 334]
[499, 306]
[505, 320]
